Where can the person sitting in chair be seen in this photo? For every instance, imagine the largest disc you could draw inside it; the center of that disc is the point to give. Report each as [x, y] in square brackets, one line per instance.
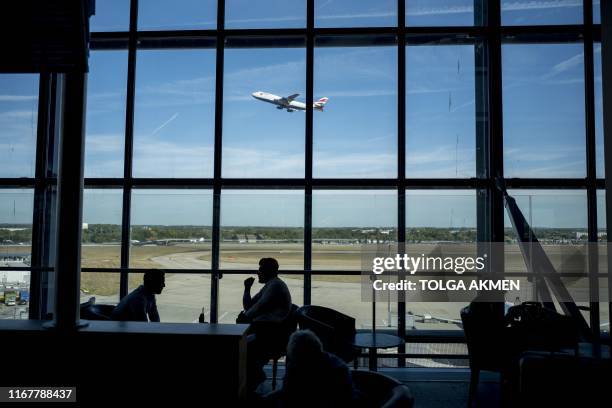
[314, 377]
[140, 305]
[272, 303]
[264, 311]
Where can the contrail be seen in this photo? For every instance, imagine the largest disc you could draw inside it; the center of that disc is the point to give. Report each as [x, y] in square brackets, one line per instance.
[163, 125]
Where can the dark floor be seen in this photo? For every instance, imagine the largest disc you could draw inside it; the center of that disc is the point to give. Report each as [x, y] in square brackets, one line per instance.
[432, 387]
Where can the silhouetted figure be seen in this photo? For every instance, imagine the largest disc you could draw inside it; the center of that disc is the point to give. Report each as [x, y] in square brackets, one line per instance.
[140, 305]
[313, 377]
[265, 311]
[273, 302]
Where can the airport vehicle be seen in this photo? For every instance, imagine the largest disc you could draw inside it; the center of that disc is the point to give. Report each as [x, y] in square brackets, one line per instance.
[288, 102]
[10, 298]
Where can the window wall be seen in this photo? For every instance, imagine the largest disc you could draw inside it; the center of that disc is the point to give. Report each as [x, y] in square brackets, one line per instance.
[416, 107]
[402, 149]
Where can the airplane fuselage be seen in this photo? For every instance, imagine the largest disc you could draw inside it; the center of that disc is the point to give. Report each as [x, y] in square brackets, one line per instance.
[283, 103]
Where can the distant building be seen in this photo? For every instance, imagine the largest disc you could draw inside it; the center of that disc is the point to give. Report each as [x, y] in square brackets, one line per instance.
[15, 277]
[85, 226]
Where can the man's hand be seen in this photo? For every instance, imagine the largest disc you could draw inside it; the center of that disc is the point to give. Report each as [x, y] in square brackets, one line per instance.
[248, 282]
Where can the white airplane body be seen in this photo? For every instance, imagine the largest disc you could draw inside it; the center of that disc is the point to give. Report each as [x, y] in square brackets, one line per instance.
[288, 102]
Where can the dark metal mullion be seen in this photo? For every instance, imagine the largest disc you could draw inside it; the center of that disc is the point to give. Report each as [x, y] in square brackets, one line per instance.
[216, 227]
[589, 97]
[606, 70]
[40, 190]
[496, 152]
[128, 150]
[308, 152]
[401, 164]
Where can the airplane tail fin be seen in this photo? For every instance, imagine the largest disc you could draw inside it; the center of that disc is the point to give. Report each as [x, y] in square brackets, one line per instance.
[321, 103]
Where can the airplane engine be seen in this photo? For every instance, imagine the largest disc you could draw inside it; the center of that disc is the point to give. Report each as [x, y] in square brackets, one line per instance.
[290, 110]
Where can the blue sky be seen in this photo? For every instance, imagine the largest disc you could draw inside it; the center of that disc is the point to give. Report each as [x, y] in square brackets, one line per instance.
[355, 137]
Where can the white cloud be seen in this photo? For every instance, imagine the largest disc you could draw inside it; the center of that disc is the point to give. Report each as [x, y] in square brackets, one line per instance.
[104, 143]
[539, 4]
[18, 98]
[21, 114]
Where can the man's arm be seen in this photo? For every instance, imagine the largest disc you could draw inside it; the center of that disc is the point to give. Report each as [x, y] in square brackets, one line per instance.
[153, 313]
[247, 301]
[260, 301]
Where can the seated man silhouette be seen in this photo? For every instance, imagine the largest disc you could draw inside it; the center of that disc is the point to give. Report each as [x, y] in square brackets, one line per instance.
[270, 306]
[140, 305]
[272, 303]
[314, 377]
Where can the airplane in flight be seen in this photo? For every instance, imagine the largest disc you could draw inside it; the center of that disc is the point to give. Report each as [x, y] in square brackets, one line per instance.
[288, 102]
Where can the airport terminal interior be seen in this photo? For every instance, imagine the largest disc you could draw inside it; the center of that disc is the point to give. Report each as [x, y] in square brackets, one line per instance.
[195, 138]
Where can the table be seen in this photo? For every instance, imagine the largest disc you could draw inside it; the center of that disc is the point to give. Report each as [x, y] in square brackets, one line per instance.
[374, 341]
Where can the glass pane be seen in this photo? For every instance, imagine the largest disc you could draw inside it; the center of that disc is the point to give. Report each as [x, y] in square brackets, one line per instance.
[434, 217]
[440, 215]
[14, 295]
[18, 124]
[104, 286]
[596, 12]
[602, 237]
[262, 223]
[599, 134]
[182, 15]
[437, 348]
[351, 13]
[529, 12]
[174, 114]
[439, 12]
[183, 298]
[232, 288]
[171, 229]
[356, 135]
[543, 99]
[101, 234]
[263, 135]
[557, 217]
[344, 220]
[602, 234]
[440, 111]
[343, 293]
[265, 14]
[111, 15]
[105, 127]
[16, 211]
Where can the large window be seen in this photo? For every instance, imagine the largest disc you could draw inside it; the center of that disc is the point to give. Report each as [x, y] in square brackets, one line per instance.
[203, 156]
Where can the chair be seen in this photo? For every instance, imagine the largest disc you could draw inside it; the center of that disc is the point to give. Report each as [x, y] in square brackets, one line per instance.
[485, 349]
[335, 330]
[276, 336]
[380, 390]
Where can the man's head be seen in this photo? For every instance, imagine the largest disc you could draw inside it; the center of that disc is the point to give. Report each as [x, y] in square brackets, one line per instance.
[304, 346]
[268, 269]
[155, 281]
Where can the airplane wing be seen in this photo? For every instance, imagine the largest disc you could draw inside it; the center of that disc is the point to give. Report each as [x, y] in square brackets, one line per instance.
[290, 98]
